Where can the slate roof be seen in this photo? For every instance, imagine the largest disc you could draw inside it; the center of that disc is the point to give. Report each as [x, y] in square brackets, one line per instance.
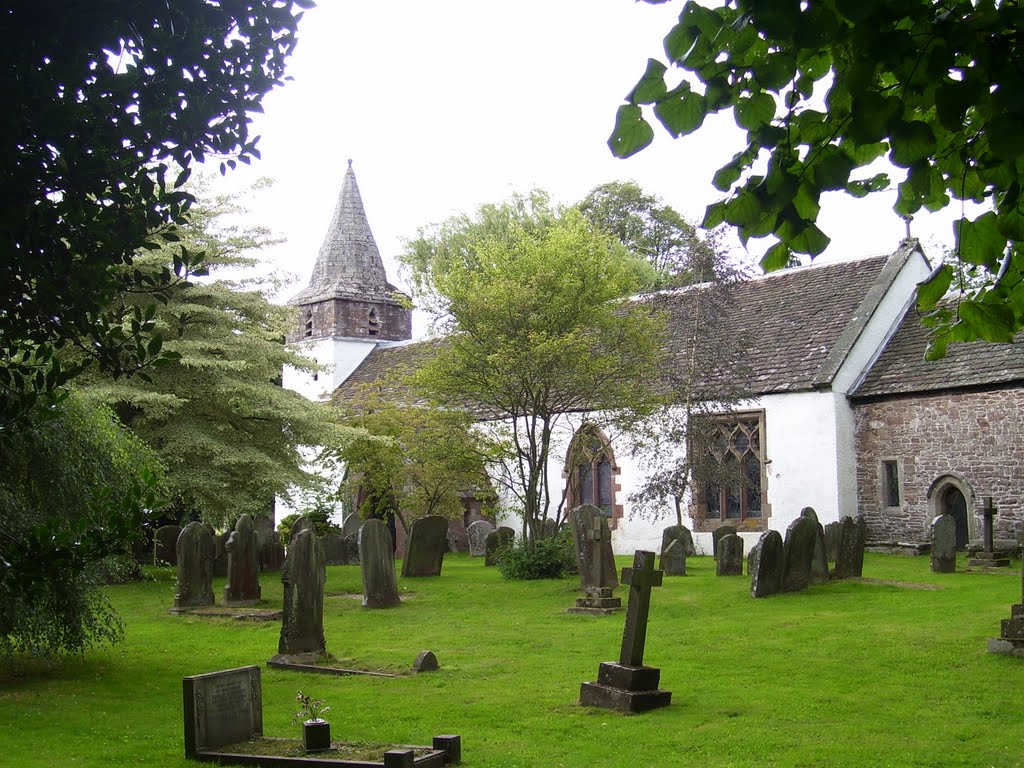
[795, 327]
[901, 368]
[384, 367]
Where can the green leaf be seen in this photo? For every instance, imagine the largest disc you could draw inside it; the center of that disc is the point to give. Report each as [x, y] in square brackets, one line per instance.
[744, 210]
[714, 215]
[870, 113]
[811, 241]
[682, 114]
[980, 241]
[753, 112]
[832, 169]
[679, 41]
[911, 141]
[991, 322]
[1005, 136]
[776, 258]
[631, 133]
[951, 102]
[934, 287]
[726, 176]
[651, 86]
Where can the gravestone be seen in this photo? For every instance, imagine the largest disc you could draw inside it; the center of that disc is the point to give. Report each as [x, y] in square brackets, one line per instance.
[767, 566]
[264, 527]
[425, 546]
[581, 519]
[598, 599]
[798, 553]
[425, 662]
[334, 547]
[243, 585]
[195, 551]
[302, 523]
[377, 564]
[221, 708]
[220, 559]
[833, 531]
[673, 558]
[944, 544]
[272, 554]
[718, 534]
[629, 685]
[1011, 635]
[165, 545]
[496, 539]
[351, 544]
[819, 560]
[850, 560]
[351, 524]
[988, 558]
[752, 557]
[478, 532]
[729, 559]
[682, 533]
[302, 616]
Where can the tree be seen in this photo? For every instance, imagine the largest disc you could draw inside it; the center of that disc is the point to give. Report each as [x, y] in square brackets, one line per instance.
[412, 461]
[533, 302]
[75, 487]
[110, 105]
[228, 433]
[824, 89]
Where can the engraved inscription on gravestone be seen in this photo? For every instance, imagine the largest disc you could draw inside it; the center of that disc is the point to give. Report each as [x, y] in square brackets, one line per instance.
[222, 708]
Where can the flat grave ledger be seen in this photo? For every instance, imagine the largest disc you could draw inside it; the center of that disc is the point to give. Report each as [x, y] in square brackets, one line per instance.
[224, 724]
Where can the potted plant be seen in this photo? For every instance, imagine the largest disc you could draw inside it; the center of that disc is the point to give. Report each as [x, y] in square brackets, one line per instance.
[316, 732]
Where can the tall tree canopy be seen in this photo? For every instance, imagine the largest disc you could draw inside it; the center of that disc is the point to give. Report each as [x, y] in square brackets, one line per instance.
[824, 88]
[532, 299]
[107, 107]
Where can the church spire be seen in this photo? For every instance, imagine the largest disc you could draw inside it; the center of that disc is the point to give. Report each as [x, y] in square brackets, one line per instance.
[349, 264]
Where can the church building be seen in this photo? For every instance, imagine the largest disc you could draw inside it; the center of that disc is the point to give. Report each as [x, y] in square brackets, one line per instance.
[842, 413]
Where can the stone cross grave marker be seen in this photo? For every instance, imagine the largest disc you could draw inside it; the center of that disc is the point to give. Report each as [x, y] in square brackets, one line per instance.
[221, 708]
[988, 559]
[629, 685]
[598, 599]
[589, 549]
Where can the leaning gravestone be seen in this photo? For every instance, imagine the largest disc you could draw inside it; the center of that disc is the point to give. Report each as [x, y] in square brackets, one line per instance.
[195, 551]
[352, 524]
[630, 685]
[718, 534]
[819, 560]
[243, 585]
[165, 545]
[673, 558]
[221, 708]
[833, 532]
[302, 616]
[496, 539]
[477, 532]
[850, 560]
[944, 544]
[377, 564]
[425, 547]
[798, 553]
[729, 560]
[682, 533]
[588, 548]
[334, 547]
[767, 566]
[301, 523]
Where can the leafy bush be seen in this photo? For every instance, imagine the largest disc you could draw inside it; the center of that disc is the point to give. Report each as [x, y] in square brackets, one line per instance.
[540, 559]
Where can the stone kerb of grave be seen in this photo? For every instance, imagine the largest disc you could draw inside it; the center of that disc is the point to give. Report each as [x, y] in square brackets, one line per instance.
[944, 544]
[425, 547]
[729, 556]
[819, 560]
[629, 685]
[798, 553]
[195, 550]
[225, 708]
[302, 616]
[496, 539]
[767, 565]
[377, 566]
[589, 549]
[478, 532]
[165, 545]
[243, 584]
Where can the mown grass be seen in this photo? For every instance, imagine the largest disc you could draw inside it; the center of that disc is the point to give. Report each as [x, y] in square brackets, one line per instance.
[844, 674]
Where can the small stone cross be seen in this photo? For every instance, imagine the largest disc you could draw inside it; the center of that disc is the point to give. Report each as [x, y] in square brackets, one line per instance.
[988, 511]
[599, 534]
[641, 579]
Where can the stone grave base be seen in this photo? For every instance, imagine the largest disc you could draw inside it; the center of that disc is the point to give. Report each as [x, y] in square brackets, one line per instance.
[318, 664]
[988, 561]
[598, 602]
[446, 750]
[1011, 639]
[214, 612]
[625, 689]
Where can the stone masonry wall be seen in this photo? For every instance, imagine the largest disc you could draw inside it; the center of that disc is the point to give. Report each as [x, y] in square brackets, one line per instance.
[973, 438]
[350, 317]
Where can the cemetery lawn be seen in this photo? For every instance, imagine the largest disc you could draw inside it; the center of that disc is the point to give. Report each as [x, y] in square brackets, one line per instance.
[893, 672]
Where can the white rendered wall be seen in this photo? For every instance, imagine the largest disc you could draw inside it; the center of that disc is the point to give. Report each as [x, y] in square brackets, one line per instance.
[339, 356]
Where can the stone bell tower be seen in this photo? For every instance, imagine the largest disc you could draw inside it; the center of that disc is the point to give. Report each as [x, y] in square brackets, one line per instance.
[349, 307]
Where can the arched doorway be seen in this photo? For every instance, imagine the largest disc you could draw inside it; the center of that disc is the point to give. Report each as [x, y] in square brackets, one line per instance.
[953, 503]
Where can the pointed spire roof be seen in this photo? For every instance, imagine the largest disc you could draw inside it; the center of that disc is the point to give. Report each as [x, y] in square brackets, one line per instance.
[349, 264]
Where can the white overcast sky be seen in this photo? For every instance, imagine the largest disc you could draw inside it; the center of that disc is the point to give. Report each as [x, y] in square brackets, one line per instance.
[449, 104]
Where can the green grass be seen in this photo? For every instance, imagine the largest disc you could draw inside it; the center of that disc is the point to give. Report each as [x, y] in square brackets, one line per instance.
[845, 674]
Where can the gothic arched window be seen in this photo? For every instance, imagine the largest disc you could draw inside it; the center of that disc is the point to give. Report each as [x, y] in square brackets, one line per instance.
[590, 472]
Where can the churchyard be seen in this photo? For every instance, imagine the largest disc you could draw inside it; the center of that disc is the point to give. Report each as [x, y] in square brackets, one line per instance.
[892, 670]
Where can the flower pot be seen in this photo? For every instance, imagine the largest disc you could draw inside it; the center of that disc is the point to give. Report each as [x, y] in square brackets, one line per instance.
[316, 735]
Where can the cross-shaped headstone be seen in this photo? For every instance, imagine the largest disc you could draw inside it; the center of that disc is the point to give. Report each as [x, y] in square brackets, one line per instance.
[641, 578]
[988, 511]
[599, 534]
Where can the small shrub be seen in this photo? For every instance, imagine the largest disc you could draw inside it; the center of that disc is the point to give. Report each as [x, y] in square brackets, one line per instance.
[543, 559]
